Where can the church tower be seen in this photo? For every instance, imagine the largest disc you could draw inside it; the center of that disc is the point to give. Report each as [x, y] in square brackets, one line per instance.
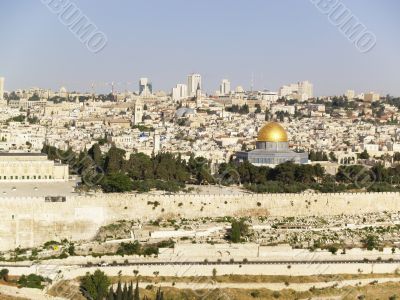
[138, 113]
[198, 96]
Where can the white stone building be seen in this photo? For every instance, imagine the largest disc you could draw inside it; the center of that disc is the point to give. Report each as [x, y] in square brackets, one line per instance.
[30, 167]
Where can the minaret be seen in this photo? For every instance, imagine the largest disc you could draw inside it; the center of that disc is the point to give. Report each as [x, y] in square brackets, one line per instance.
[198, 96]
[156, 143]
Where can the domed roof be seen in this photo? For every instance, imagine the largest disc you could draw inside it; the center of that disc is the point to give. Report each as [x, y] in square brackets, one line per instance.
[184, 112]
[272, 132]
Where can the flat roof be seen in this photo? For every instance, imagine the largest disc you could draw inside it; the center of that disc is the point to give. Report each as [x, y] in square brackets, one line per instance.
[36, 189]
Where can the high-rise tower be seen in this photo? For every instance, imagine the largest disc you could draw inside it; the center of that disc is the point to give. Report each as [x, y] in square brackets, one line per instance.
[194, 80]
[145, 87]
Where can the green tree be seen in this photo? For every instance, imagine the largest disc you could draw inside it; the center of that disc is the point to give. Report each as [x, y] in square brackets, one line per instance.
[140, 167]
[396, 156]
[118, 293]
[284, 172]
[238, 230]
[267, 116]
[116, 183]
[13, 96]
[381, 174]
[333, 248]
[364, 155]
[160, 294]
[34, 97]
[125, 292]
[4, 274]
[244, 109]
[371, 242]
[136, 296]
[31, 281]
[332, 157]
[354, 174]
[95, 154]
[129, 248]
[312, 156]
[96, 284]
[71, 249]
[110, 295]
[114, 160]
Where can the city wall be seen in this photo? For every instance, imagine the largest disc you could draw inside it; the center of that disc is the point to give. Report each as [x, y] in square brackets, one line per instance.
[29, 222]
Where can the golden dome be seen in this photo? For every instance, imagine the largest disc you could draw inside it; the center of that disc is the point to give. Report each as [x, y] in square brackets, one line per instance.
[272, 132]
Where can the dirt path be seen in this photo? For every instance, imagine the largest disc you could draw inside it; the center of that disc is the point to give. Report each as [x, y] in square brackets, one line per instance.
[299, 287]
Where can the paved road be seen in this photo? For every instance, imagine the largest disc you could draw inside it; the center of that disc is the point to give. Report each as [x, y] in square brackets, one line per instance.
[267, 262]
[256, 263]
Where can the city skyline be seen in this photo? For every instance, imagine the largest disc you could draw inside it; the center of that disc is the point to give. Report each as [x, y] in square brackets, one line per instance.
[181, 39]
[199, 149]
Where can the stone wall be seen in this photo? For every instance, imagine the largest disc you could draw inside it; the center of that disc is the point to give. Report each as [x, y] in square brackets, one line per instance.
[28, 222]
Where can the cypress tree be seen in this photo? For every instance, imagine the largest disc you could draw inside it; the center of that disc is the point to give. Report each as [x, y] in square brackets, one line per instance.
[95, 153]
[119, 291]
[159, 295]
[130, 292]
[125, 293]
[137, 296]
[110, 295]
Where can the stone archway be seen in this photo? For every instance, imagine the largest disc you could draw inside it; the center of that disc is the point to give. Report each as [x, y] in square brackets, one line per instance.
[347, 159]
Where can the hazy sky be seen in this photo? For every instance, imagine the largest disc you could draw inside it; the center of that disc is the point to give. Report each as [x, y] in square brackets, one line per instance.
[278, 41]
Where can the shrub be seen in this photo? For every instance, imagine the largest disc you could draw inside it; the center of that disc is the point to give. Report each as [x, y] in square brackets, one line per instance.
[276, 294]
[31, 281]
[4, 274]
[255, 294]
[214, 272]
[333, 249]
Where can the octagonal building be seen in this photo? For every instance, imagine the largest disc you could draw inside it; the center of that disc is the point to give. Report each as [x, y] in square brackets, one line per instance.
[272, 148]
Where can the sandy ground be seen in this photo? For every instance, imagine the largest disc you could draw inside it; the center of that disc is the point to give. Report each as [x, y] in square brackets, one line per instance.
[35, 294]
[31, 294]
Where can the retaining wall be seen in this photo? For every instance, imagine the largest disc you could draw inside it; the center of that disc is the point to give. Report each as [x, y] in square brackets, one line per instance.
[30, 221]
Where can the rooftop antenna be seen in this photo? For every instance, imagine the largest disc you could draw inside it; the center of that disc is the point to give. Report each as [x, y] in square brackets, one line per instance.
[252, 82]
[92, 88]
[262, 81]
[126, 86]
[112, 87]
